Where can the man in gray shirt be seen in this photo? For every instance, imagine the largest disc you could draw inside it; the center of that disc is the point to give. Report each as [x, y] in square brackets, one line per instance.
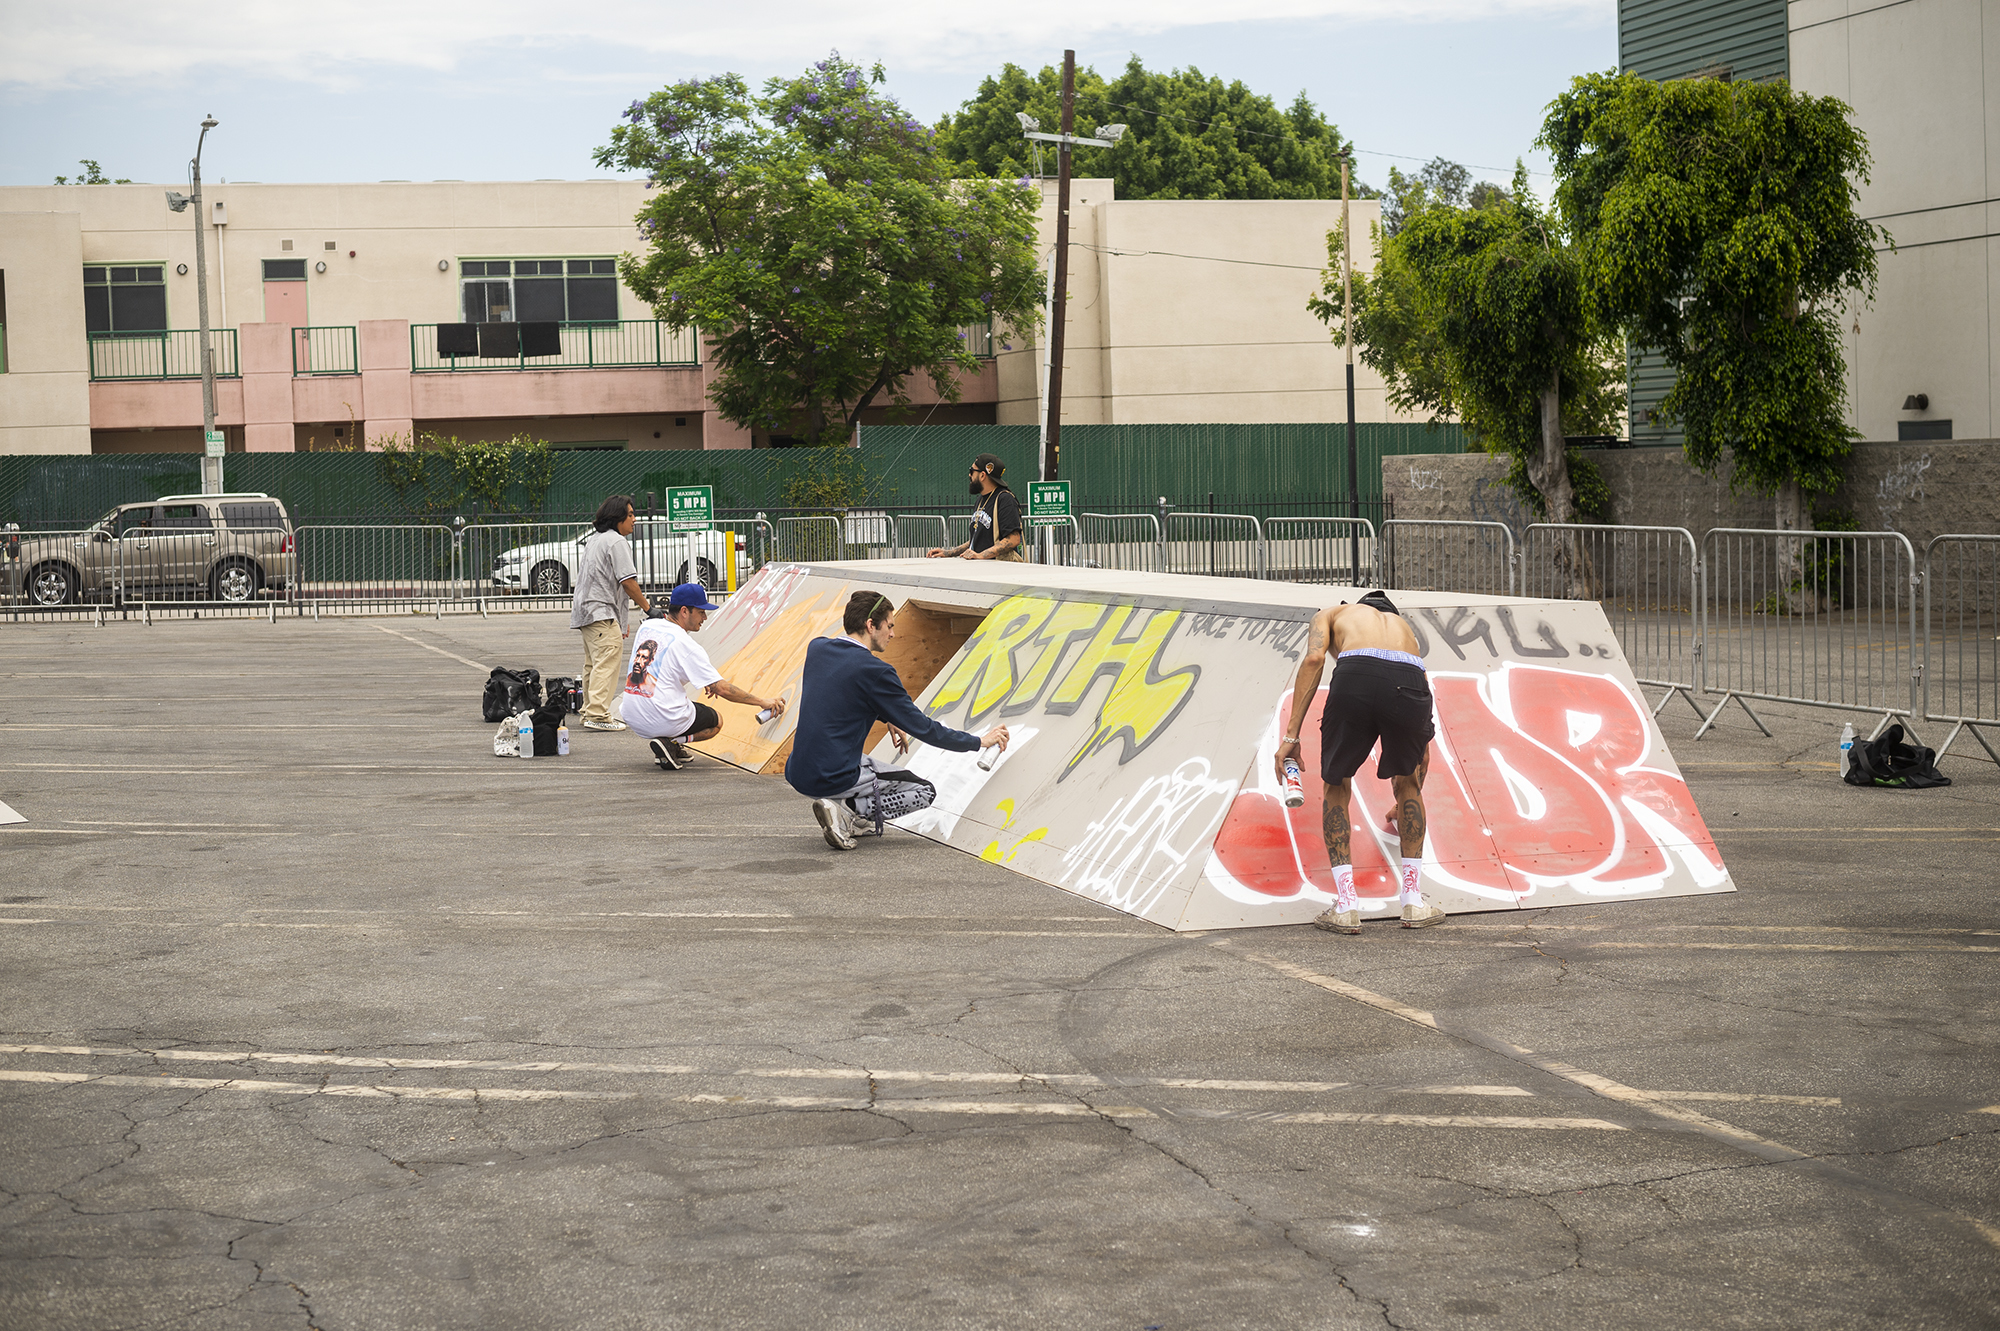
[604, 582]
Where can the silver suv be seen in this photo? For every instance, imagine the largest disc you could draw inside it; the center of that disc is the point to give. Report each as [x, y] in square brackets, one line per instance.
[226, 547]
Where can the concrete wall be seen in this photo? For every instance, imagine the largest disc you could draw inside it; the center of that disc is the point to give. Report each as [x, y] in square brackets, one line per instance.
[45, 393]
[1923, 78]
[1193, 312]
[1919, 489]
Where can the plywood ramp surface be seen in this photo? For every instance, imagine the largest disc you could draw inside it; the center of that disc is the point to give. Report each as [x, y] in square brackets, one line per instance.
[1146, 711]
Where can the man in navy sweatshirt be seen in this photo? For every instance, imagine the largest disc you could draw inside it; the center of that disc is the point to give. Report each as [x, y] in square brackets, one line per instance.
[846, 689]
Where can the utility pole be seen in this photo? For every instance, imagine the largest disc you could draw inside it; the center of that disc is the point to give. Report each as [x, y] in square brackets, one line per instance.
[1059, 309]
[1347, 324]
[1065, 140]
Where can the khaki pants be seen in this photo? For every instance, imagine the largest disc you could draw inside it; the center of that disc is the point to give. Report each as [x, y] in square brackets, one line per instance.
[603, 658]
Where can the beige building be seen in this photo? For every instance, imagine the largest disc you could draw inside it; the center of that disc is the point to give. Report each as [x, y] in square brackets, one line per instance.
[1923, 78]
[486, 309]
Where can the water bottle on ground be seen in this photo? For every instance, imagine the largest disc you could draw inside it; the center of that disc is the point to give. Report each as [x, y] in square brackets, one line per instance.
[1295, 791]
[562, 740]
[527, 734]
[1846, 748]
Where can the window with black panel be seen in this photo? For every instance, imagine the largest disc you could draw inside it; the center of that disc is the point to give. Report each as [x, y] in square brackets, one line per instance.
[539, 290]
[124, 300]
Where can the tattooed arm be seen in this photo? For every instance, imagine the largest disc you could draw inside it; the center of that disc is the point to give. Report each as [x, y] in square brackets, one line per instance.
[1305, 687]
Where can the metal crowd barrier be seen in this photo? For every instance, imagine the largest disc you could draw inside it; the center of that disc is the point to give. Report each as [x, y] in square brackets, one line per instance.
[1424, 555]
[371, 569]
[914, 535]
[810, 540]
[1821, 619]
[1219, 545]
[1962, 636]
[1648, 580]
[1128, 541]
[1319, 550]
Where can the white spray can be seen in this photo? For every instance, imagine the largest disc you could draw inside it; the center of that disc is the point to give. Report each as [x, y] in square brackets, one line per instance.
[1295, 791]
[562, 740]
[987, 757]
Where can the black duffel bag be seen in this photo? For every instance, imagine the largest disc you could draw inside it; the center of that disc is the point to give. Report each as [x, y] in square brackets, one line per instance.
[1890, 762]
[568, 688]
[510, 692]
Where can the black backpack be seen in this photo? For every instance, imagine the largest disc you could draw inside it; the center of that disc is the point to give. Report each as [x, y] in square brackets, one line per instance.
[548, 717]
[510, 692]
[1890, 762]
[568, 688]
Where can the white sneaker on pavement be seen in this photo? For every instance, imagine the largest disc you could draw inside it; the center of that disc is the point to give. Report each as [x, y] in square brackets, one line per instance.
[833, 822]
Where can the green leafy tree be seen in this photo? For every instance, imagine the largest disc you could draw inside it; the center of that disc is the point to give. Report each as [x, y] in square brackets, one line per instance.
[1477, 314]
[1189, 136]
[1715, 222]
[814, 235]
[92, 174]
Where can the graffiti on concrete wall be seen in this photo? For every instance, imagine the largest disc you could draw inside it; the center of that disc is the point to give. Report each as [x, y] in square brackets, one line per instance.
[1899, 485]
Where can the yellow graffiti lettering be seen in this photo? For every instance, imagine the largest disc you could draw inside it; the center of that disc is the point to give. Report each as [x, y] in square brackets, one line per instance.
[992, 853]
[1072, 621]
[985, 671]
[1142, 702]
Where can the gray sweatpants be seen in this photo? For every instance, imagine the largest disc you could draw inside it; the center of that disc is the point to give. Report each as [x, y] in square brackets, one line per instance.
[881, 793]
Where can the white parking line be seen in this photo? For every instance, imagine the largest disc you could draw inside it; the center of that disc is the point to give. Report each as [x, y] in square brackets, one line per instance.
[345, 1091]
[427, 647]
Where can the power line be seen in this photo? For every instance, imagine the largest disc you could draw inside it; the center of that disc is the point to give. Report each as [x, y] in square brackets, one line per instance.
[1258, 133]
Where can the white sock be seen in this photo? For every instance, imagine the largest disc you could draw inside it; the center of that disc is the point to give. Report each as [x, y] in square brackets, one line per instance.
[1410, 895]
[1343, 887]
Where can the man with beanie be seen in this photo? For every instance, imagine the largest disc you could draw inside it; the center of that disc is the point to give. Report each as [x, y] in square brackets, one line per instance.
[996, 520]
[1379, 691]
[845, 689]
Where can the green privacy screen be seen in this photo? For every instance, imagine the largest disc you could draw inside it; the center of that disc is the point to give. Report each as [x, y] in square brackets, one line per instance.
[1109, 467]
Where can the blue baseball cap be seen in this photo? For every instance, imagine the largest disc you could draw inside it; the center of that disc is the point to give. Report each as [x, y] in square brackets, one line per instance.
[690, 595]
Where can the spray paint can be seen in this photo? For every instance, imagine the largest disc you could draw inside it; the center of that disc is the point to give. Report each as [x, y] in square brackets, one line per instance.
[764, 717]
[562, 740]
[1295, 791]
[987, 757]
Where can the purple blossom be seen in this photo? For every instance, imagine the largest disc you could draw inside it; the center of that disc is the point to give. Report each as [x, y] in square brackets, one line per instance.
[812, 97]
[1023, 182]
[634, 111]
[795, 291]
[853, 77]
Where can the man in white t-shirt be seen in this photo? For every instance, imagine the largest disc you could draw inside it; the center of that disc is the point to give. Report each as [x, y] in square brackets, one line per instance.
[666, 669]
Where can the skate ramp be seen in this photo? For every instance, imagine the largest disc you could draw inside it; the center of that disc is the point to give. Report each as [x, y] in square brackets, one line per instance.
[1146, 711]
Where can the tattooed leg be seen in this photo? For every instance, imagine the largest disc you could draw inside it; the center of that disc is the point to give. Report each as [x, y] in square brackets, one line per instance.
[1334, 823]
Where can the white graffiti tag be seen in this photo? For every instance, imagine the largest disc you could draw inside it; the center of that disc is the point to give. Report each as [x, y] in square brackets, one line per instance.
[1128, 857]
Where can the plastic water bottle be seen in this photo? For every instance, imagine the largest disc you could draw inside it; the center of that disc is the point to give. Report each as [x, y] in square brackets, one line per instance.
[1295, 791]
[527, 724]
[987, 757]
[562, 740]
[1846, 748]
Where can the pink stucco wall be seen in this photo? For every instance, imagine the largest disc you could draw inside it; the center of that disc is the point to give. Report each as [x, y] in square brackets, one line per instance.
[386, 398]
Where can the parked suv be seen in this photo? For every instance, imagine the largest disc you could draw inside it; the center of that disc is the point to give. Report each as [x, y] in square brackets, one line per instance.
[226, 547]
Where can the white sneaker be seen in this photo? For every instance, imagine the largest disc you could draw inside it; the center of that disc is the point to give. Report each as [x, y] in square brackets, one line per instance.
[1337, 921]
[833, 819]
[604, 725]
[1422, 916]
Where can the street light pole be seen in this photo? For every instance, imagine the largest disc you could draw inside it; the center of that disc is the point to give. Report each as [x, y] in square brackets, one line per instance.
[1347, 324]
[1059, 310]
[211, 467]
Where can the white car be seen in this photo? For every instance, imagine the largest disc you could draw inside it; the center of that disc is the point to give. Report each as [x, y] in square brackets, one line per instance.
[665, 560]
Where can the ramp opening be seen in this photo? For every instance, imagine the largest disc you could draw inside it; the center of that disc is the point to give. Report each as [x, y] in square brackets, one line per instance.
[928, 636]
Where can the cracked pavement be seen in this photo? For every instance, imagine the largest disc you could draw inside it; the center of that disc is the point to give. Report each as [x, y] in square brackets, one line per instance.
[319, 1016]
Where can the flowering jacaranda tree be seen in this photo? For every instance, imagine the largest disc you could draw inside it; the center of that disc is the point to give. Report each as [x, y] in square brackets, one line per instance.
[818, 241]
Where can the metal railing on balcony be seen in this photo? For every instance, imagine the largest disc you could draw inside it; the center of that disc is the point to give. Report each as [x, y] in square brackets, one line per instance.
[174, 354]
[326, 350]
[978, 338]
[629, 343]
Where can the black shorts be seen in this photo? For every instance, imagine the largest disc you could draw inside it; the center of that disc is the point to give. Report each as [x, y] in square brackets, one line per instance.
[1372, 699]
[705, 718]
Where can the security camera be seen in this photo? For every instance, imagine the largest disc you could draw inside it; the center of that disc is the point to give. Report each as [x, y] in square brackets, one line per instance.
[1111, 133]
[178, 201]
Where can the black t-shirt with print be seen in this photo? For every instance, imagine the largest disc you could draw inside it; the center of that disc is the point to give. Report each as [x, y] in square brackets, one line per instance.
[1002, 505]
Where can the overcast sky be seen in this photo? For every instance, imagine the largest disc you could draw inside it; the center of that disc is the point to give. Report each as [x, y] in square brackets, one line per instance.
[510, 90]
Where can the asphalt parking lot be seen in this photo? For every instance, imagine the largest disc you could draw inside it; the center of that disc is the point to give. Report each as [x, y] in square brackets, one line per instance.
[319, 1015]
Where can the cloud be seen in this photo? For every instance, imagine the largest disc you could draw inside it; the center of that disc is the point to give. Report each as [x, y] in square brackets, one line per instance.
[63, 46]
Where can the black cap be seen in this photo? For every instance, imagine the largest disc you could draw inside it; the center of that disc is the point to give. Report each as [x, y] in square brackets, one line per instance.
[989, 464]
[1380, 601]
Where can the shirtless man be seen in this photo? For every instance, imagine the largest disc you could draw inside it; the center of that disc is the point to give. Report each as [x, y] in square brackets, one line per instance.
[1379, 690]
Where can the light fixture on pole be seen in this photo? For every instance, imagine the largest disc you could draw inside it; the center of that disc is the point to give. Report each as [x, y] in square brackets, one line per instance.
[211, 462]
